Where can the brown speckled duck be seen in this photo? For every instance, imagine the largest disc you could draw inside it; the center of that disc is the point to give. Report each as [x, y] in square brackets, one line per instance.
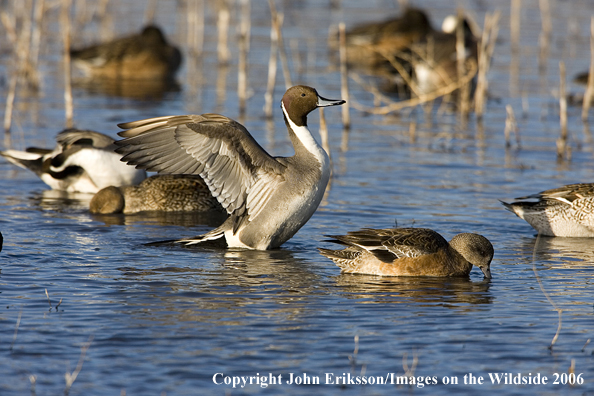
[167, 193]
[410, 252]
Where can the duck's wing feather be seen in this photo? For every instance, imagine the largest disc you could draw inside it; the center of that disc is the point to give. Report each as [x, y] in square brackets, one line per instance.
[236, 169]
[84, 138]
[566, 194]
[393, 243]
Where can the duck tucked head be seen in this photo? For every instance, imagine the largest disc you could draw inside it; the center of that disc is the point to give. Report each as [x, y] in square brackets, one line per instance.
[301, 100]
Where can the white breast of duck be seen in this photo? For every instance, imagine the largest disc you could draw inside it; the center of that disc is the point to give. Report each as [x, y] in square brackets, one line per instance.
[299, 195]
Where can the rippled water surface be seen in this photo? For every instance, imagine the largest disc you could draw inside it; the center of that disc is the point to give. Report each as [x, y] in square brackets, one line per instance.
[165, 320]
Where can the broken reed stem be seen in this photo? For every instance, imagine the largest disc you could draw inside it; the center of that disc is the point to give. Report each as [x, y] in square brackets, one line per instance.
[410, 372]
[16, 329]
[590, 87]
[511, 126]
[562, 149]
[65, 22]
[244, 47]
[545, 34]
[48, 299]
[344, 78]
[70, 378]
[223, 33]
[559, 310]
[514, 25]
[282, 53]
[275, 19]
[353, 357]
[487, 46]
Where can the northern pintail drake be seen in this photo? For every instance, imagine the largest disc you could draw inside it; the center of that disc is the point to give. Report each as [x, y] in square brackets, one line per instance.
[410, 252]
[146, 55]
[83, 161]
[268, 199]
[166, 193]
[566, 211]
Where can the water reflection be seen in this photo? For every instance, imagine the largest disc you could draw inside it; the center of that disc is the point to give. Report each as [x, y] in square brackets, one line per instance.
[566, 253]
[185, 219]
[220, 284]
[449, 292]
[152, 89]
[60, 201]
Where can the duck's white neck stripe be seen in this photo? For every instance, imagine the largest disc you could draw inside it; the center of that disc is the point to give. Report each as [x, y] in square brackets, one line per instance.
[304, 135]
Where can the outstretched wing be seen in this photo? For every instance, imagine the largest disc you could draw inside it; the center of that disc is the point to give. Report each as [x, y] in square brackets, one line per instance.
[236, 169]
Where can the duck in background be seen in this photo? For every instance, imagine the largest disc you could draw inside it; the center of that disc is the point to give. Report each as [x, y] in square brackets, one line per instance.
[167, 193]
[142, 56]
[423, 59]
[365, 43]
[410, 252]
[566, 211]
[82, 161]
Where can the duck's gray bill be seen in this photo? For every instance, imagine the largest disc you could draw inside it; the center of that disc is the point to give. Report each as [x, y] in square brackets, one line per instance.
[486, 272]
[323, 102]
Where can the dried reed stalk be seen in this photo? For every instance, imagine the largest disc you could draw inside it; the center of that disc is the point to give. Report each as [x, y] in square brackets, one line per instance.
[9, 107]
[106, 21]
[244, 47]
[511, 126]
[486, 48]
[151, 10]
[412, 132]
[272, 61]
[65, 22]
[223, 32]
[544, 39]
[16, 329]
[562, 147]
[344, 79]
[395, 106]
[464, 92]
[514, 25]
[36, 33]
[70, 378]
[195, 29]
[282, 53]
[590, 87]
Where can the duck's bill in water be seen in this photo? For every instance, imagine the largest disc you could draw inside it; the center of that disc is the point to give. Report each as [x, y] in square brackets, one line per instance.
[323, 102]
[487, 272]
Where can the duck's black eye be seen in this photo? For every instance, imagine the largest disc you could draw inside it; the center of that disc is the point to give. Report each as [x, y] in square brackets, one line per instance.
[303, 94]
